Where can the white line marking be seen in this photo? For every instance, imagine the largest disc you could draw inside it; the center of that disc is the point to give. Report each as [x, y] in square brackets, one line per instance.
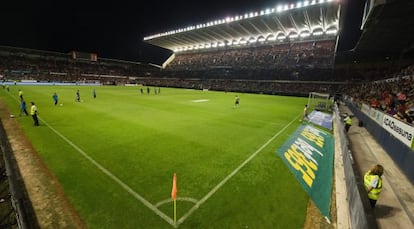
[169, 200]
[218, 186]
[110, 175]
[199, 100]
[113, 177]
[147, 203]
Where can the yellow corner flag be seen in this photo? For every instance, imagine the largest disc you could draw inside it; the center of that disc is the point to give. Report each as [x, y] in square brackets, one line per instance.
[174, 197]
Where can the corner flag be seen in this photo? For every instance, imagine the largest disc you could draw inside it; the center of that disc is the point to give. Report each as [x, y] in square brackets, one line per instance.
[174, 197]
[174, 188]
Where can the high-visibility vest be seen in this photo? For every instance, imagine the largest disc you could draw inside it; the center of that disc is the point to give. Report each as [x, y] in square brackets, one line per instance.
[33, 110]
[348, 120]
[375, 192]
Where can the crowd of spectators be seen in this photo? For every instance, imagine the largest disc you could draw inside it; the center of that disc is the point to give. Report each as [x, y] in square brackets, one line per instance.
[315, 54]
[267, 70]
[276, 69]
[298, 88]
[394, 94]
[41, 66]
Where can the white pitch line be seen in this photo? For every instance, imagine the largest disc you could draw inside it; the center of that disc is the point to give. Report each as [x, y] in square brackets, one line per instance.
[112, 176]
[147, 203]
[169, 200]
[219, 185]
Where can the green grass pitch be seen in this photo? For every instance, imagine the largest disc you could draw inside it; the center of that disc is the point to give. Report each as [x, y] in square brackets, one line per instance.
[115, 155]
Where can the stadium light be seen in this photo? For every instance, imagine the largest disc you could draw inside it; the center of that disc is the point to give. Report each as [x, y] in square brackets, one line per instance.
[279, 8]
[268, 11]
[317, 33]
[293, 36]
[281, 37]
[332, 31]
[271, 38]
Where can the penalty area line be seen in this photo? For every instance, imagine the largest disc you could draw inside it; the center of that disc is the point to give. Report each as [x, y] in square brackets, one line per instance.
[224, 181]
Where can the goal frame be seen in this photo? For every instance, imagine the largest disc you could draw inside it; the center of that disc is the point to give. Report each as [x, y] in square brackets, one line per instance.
[318, 101]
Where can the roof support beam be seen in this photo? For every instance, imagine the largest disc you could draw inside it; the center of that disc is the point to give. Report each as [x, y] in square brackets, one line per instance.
[279, 23]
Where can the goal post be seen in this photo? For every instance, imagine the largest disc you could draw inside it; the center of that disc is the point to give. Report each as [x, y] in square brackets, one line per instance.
[319, 101]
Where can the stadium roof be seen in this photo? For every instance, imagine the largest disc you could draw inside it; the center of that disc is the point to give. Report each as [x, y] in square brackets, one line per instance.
[313, 19]
[388, 30]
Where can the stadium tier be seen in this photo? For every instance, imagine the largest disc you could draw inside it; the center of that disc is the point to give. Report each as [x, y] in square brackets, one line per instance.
[288, 42]
[307, 20]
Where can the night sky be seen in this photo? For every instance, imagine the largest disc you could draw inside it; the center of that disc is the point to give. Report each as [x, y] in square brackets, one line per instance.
[116, 29]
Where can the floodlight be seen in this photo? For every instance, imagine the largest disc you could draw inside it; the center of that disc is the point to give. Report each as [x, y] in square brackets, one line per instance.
[271, 38]
[281, 37]
[305, 34]
[279, 8]
[317, 33]
[305, 3]
[261, 39]
[332, 31]
[293, 36]
[299, 5]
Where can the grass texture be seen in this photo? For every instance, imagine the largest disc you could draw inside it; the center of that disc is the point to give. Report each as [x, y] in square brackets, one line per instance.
[115, 155]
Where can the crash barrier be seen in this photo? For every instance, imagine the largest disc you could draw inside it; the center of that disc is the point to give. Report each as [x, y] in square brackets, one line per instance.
[360, 212]
[15, 207]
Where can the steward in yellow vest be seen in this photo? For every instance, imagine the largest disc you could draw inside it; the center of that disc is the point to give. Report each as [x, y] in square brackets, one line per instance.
[373, 183]
[33, 113]
[348, 122]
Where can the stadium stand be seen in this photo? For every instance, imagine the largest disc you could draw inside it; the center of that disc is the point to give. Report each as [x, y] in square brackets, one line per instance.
[275, 51]
[43, 66]
[288, 51]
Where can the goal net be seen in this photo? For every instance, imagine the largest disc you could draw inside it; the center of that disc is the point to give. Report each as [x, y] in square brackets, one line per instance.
[318, 101]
